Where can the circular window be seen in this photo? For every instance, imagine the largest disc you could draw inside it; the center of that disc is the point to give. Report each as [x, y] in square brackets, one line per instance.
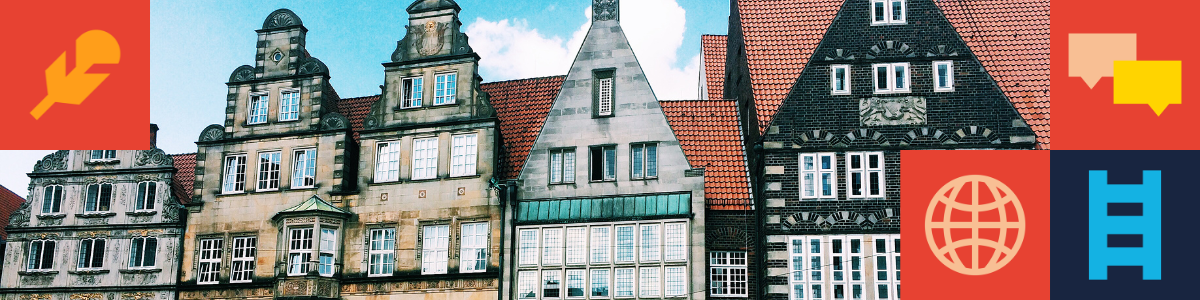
[277, 56]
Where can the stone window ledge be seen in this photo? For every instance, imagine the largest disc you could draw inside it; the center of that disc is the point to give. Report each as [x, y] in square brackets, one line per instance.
[142, 213]
[102, 162]
[52, 216]
[88, 272]
[141, 271]
[38, 273]
[99, 214]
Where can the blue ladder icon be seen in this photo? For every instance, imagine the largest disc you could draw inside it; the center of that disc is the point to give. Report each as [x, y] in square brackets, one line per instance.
[1103, 225]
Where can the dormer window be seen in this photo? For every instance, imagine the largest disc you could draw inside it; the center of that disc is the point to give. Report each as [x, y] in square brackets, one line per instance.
[101, 155]
[839, 79]
[888, 12]
[410, 92]
[445, 89]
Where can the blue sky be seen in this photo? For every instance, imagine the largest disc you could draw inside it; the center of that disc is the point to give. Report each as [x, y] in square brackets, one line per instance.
[195, 45]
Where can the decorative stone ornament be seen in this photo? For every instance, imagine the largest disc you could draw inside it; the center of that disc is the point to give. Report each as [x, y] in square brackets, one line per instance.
[153, 157]
[20, 217]
[281, 18]
[53, 162]
[242, 73]
[432, 37]
[877, 111]
[334, 121]
[211, 133]
[605, 10]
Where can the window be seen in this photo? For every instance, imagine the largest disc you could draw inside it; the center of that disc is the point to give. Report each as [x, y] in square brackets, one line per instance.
[142, 252]
[576, 245]
[462, 155]
[474, 252]
[676, 245]
[817, 174]
[258, 109]
[435, 249]
[839, 79]
[600, 283]
[575, 283]
[328, 249]
[624, 287]
[604, 163]
[601, 241]
[651, 243]
[891, 78]
[103, 155]
[425, 156]
[244, 249]
[98, 197]
[645, 160]
[728, 274]
[843, 276]
[552, 246]
[650, 283]
[562, 165]
[300, 246]
[304, 168]
[602, 93]
[210, 260]
[676, 281]
[235, 174]
[289, 105]
[527, 285]
[387, 162]
[446, 86]
[91, 254]
[52, 199]
[41, 255]
[146, 195]
[943, 76]
[625, 243]
[410, 92]
[884, 12]
[268, 171]
[382, 253]
[529, 247]
[551, 284]
[865, 178]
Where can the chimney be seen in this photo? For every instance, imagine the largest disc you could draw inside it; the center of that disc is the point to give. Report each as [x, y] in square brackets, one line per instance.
[153, 135]
[606, 10]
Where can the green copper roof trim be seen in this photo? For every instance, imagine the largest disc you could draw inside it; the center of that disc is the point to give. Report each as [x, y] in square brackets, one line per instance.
[313, 204]
[605, 209]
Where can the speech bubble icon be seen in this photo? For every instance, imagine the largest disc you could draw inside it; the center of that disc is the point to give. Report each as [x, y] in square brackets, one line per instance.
[1091, 55]
[1157, 83]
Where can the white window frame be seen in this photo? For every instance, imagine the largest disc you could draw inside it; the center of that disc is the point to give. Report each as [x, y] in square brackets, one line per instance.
[147, 193]
[801, 250]
[88, 254]
[888, 15]
[818, 175]
[289, 105]
[527, 284]
[576, 242]
[562, 165]
[650, 243]
[425, 158]
[301, 242]
[94, 205]
[552, 246]
[445, 88]
[529, 240]
[52, 196]
[575, 279]
[269, 165]
[937, 87]
[675, 241]
[242, 260]
[381, 252]
[435, 249]
[209, 269]
[258, 108]
[833, 80]
[728, 274]
[234, 179]
[412, 98]
[600, 279]
[387, 161]
[644, 162]
[629, 247]
[38, 258]
[891, 78]
[624, 282]
[473, 252]
[304, 168]
[676, 281]
[327, 252]
[137, 259]
[104, 155]
[649, 282]
[464, 154]
[601, 246]
[552, 280]
[865, 171]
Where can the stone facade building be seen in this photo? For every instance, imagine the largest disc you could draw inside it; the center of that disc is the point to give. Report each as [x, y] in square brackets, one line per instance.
[102, 224]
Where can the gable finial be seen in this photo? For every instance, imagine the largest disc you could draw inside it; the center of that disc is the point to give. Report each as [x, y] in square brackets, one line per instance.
[605, 10]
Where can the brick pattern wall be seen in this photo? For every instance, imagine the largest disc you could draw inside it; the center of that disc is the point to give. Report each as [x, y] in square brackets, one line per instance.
[731, 230]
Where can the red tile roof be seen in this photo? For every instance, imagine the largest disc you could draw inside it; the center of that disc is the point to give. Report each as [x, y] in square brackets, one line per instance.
[9, 202]
[184, 181]
[1012, 40]
[522, 106]
[355, 110]
[713, 47]
[709, 131]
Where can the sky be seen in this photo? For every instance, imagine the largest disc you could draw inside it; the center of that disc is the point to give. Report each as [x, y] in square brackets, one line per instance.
[195, 45]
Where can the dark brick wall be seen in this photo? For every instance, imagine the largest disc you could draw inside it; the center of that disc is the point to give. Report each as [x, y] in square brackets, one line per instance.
[731, 230]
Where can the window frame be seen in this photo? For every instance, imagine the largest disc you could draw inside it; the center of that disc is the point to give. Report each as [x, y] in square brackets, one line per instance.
[464, 154]
[643, 165]
[445, 92]
[391, 163]
[818, 179]
[254, 113]
[101, 201]
[888, 17]
[52, 196]
[267, 175]
[865, 171]
[891, 78]
[599, 77]
[137, 261]
[601, 244]
[547, 276]
[565, 175]
[604, 163]
[425, 159]
[304, 171]
[147, 195]
[39, 258]
[214, 253]
[833, 78]
[937, 87]
[606, 283]
[552, 246]
[105, 155]
[569, 283]
[724, 272]
[649, 282]
[289, 111]
[440, 250]
[799, 249]
[631, 278]
[383, 247]
[529, 247]
[474, 239]
[327, 247]
[576, 243]
[415, 97]
[528, 281]
[674, 281]
[242, 259]
[298, 249]
[88, 254]
[238, 168]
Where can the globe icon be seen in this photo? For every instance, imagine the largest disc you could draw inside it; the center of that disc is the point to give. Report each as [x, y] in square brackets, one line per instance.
[975, 225]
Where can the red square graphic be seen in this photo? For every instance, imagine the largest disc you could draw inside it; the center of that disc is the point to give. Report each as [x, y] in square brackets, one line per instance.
[986, 214]
[42, 57]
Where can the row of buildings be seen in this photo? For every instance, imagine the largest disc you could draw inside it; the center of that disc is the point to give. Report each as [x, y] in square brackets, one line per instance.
[780, 182]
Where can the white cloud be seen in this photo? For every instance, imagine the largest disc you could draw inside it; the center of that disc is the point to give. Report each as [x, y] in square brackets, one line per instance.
[510, 49]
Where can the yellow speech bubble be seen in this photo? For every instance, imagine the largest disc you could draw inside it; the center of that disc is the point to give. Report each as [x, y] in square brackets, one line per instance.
[1157, 83]
[1091, 55]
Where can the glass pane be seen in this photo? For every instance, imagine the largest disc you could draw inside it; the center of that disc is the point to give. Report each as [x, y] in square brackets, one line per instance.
[901, 71]
[897, 10]
[808, 163]
[875, 182]
[879, 11]
[881, 77]
[826, 184]
[942, 74]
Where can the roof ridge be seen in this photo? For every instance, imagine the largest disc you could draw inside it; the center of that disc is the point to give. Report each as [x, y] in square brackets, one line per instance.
[524, 79]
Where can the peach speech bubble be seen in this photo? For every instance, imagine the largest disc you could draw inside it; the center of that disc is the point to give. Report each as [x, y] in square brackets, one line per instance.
[1091, 55]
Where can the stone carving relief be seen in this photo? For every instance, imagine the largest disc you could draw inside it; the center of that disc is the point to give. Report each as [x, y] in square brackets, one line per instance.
[281, 18]
[432, 37]
[20, 217]
[153, 157]
[333, 120]
[171, 210]
[137, 296]
[36, 297]
[53, 162]
[242, 73]
[605, 10]
[88, 296]
[211, 133]
[877, 111]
